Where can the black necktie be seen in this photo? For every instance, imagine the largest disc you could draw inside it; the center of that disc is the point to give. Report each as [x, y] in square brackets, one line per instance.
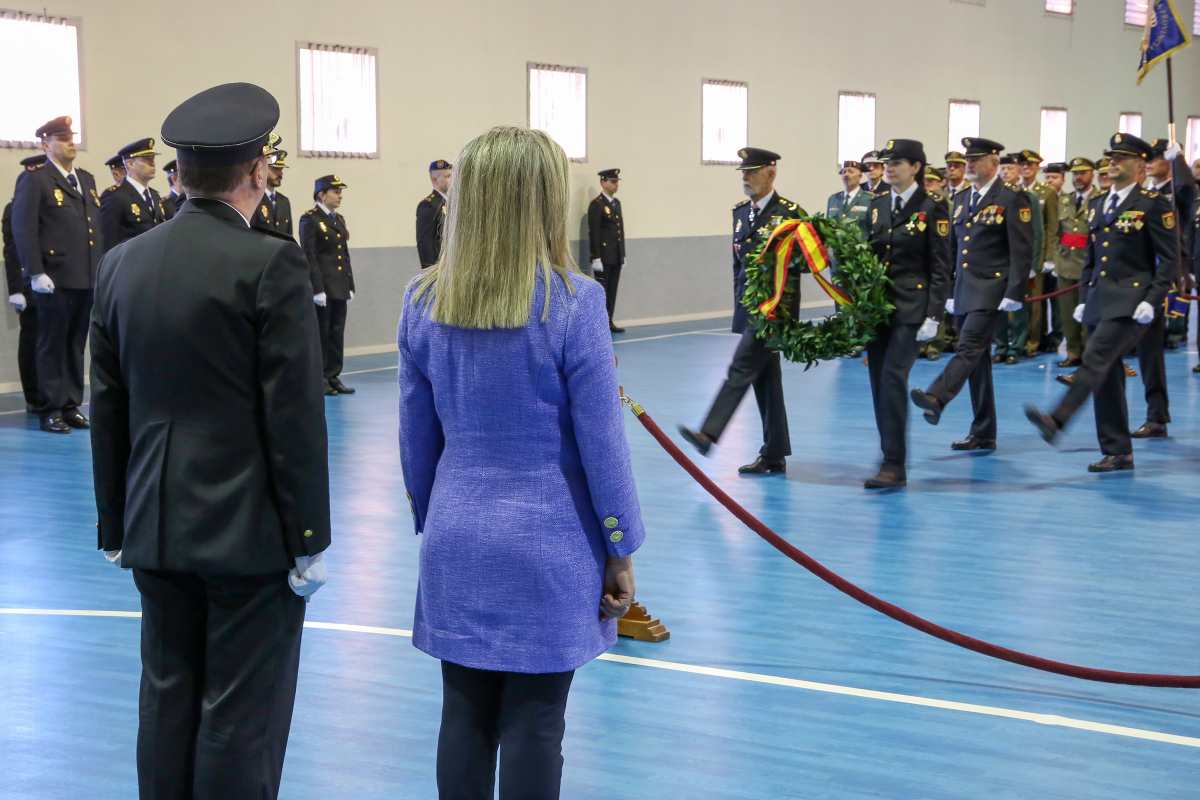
[71, 179]
[149, 204]
[896, 207]
[974, 201]
[1078, 201]
[1111, 211]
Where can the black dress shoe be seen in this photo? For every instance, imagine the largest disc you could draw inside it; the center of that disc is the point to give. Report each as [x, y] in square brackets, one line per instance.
[1010, 360]
[933, 354]
[696, 439]
[340, 387]
[614, 329]
[53, 423]
[1070, 361]
[75, 419]
[1046, 424]
[762, 466]
[998, 358]
[974, 443]
[1112, 464]
[929, 404]
[1196, 369]
[1150, 430]
[888, 477]
[1066, 379]
[329, 390]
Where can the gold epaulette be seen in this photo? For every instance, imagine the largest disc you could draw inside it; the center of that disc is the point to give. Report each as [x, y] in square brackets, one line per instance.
[743, 203]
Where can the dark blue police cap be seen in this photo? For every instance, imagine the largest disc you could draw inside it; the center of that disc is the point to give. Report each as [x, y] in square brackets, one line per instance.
[33, 162]
[171, 167]
[756, 157]
[139, 149]
[1126, 144]
[906, 149]
[114, 162]
[975, 147]
[613, 174]
[441, 163]
[327, 182]
[227, 124]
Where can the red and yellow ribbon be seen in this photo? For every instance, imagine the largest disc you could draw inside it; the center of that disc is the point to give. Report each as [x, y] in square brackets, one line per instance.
[803, 234]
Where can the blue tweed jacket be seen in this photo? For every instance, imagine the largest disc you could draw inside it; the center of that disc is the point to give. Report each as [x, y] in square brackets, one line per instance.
[513, 448]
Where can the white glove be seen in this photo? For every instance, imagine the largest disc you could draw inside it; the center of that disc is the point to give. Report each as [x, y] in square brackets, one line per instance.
[1144, 313]
[113, 557]
[928, 330]
[1077, 314]
[1048, 266]
[1172, 151]
[597, 265]
[17, 301]
[320, 299]
[308, 575]
[42, 284]
[1033, 273]
[949, 305]
[351, 300]
[1010, 305]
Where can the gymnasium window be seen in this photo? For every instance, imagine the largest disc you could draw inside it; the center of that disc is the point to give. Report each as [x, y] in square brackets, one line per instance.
[558, 106]
[1192, 138]
[1062, 7]
[856, 125]
[1135, 12]
[338, 101]
[1196, 19]
[1130, 122]
[1053, 143]
[964, 121]
[28, 104]
[725, 121]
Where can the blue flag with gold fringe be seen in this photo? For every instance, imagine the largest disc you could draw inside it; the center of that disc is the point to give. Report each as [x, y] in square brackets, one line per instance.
[1165, 34]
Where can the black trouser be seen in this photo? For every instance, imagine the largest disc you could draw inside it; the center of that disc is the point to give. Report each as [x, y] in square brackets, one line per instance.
[62, 331]
[1153, 367]
[1103, 376]
[890, 357]
[971, 362]
[610, 278]
[523, 715]
[219, 663]
[753, 365]
[333, 336]
[27, 353]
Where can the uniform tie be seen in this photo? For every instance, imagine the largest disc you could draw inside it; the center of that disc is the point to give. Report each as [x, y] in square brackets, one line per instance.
[897, 206]
[974, 201]
[71, 179]
[149, 203]
[1111, 211]
[1078, 201]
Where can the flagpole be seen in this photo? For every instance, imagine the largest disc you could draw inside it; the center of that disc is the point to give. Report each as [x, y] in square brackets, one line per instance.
[1171, 102]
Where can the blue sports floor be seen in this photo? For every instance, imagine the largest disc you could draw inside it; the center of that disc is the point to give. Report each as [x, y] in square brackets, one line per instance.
[772, 685]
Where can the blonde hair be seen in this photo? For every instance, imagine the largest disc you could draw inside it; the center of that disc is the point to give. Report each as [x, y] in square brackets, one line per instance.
[507, 217]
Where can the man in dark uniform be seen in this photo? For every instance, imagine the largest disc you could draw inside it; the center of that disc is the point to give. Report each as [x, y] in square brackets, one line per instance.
[325, 239]
[210, 459]
[56, 227]
[175, 197]
[909, 231]
[874, 183]
[753, 363]
[853, 202]
[274, 212]
[991, 236]
[1133, 256]
[133, 207]
[116, 168]
[431, 213]
[606, 239]
[21, 300]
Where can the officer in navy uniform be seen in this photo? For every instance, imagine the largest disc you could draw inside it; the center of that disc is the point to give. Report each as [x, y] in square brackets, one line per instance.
[56, 227]
[753, 363]
[909, 230]
[325, 239]
[606, 239]
[133, 207]
[874, 182]
[431, 213]
[175, 198]
[1132, 259]
[274, 211]
[991, 236]
[21, 299]
[116, 168]
[210, 459]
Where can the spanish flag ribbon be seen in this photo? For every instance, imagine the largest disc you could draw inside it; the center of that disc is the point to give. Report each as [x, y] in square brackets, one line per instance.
[803, 234]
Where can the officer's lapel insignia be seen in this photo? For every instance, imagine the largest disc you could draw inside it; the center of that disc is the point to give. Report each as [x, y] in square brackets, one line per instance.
[737, 229]
[608, 211]
[136, 209]
[1091, 215]
[874, 215]
[324, 228]
[444, 211]
[943, 228]
[266, 212]
[958, 211]
[95, 197]
[1169, 220]
[58, 196]
[1026, 215]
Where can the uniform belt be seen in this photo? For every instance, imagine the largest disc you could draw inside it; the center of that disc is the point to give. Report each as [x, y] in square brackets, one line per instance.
[1075, 241]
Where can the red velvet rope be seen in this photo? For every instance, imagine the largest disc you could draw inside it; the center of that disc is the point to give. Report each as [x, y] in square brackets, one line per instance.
[1037, 298]
[884, 607]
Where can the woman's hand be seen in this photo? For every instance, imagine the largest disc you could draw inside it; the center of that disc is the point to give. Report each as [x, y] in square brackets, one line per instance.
[618, 588]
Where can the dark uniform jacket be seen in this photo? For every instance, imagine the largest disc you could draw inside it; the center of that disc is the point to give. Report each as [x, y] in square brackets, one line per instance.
[915, 247]
[171, 203]
[606, 231]
[15, 281]
[125, 214]
[1196, 239]
[325, 242]
[431, 219]
[274, 214]
[747, 236]
[993, 248]
[57, 229]
[1131, 258]
[208, 424]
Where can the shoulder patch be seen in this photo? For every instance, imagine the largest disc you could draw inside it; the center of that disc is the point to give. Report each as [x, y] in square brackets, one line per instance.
[745, 202]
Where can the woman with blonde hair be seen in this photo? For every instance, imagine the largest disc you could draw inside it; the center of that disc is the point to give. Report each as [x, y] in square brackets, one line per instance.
[514, 456]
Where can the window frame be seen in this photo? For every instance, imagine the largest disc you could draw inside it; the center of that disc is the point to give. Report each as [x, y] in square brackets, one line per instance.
[952, 146]
[1066, 129]
[80, 124]
[1049, 12]
[530, 66]
[302, 153]
[1125, 15]
[722, 82]
[1189, 143]
[1141, 121]
[874, 121]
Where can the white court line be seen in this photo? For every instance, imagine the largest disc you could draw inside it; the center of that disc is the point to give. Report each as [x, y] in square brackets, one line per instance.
[1053, 720]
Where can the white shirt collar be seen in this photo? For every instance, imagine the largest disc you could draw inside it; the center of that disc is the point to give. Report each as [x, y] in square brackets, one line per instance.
[271, 194]
[904, 198]
[851, 195]
[761, 204]
[64, 172]
[445, 197]
[987, 187]
[607, 196]
[141, 190]
[1121, 195]
[321, 206]
[1158, 187]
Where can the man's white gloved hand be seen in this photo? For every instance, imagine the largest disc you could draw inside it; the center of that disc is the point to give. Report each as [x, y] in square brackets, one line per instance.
[1077, 315]
[113, 557]
[1144, 313]
[949, 305]
[42, 284]
[1172, 152]
[928, 330]
[308, 575]
[597, 265]
[17, 301]
[351, 300]
[320, 299]
[1047, 266]
[1010, 305]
